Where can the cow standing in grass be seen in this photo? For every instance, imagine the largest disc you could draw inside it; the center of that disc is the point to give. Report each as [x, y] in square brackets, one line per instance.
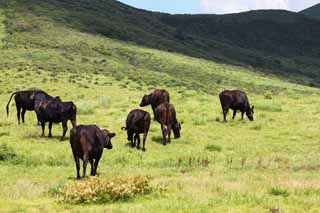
[138, 122]
[165, 114]
[87, 143]
[28, 100]
[155, 98]
[235, 100]
[56, 111]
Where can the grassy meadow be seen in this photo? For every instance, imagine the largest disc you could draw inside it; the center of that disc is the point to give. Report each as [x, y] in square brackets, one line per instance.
[269, 165]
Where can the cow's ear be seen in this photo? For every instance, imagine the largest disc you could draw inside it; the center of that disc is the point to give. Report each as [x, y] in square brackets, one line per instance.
[111, 135]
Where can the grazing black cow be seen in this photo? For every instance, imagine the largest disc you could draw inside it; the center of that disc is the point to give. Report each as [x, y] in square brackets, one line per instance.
[155, 98]
[138, 122]
[87, 143]
[235, 100]
[56, 111]
[166, 116]
[27, 100]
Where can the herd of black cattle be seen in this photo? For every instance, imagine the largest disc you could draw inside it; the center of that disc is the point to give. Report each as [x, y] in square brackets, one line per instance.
[88, 141]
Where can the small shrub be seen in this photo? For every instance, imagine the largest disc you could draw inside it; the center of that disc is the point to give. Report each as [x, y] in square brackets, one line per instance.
[94, 190]
[256, 127]
[268, 95]
[85, 108]
[104, 101]
[6, 153]
[278, 191]
[213, 148]
[4, 134]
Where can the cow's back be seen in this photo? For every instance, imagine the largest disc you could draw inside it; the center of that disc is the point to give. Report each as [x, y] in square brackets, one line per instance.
[160, 96]
[83, 140]
[233, 99]
[165, 113]
[24, 99]
[138, 119]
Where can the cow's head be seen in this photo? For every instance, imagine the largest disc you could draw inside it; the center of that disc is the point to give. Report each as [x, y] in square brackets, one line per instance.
[145, 101]
[106, 137]
[176, 129]
[250, 113]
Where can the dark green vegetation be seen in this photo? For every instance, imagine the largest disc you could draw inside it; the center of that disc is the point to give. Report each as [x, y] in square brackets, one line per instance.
[281, 42]
[267, 165]
[313, 11]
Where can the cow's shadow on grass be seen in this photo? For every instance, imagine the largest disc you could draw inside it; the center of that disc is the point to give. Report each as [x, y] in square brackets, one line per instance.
[157, 139]
[53, 138]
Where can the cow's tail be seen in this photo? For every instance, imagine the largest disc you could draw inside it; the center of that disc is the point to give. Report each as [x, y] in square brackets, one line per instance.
[7, 108]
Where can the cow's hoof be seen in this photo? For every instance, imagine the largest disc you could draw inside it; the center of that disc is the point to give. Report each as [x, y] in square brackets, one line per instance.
[143, 149]
[50, 136]
[61, 139]
[138, 147]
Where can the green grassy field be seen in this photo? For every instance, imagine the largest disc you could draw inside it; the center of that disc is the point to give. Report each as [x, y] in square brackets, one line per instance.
[262, 166]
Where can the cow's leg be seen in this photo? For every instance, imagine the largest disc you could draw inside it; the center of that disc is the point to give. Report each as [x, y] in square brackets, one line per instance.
[43, 127]
[138, 141]
[22, 114]
[169, 135]
[145, 134]
[18, 113]
[65, 128]
[135, 139]
[164, 135]
[85, 162]
[242, 113]
[234, 114]
[92, 167]
[96, 162]
[154, 112]
[225, 112]
[76, 159]
[50, 128]
[132, 139]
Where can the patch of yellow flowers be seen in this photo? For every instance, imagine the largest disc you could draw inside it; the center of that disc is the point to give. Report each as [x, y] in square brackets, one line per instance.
[94, 189]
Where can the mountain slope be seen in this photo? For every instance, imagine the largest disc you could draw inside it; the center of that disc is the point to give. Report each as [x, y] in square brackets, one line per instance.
[269, 40]
[313, 11]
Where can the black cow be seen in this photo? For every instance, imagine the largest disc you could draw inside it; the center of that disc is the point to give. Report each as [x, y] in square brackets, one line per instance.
[87, 143]
[235, 100]
[166, 116]
[155, 98]
[138, 122]
[27, 100]
[56, 111]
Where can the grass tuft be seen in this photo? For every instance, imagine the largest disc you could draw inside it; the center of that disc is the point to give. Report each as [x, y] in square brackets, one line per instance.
[213, 148]
[279, 191]
[7, 153]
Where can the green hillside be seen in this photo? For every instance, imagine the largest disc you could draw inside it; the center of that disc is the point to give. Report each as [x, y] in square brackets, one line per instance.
[313, 11]
[271, 41]
[269, 165]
